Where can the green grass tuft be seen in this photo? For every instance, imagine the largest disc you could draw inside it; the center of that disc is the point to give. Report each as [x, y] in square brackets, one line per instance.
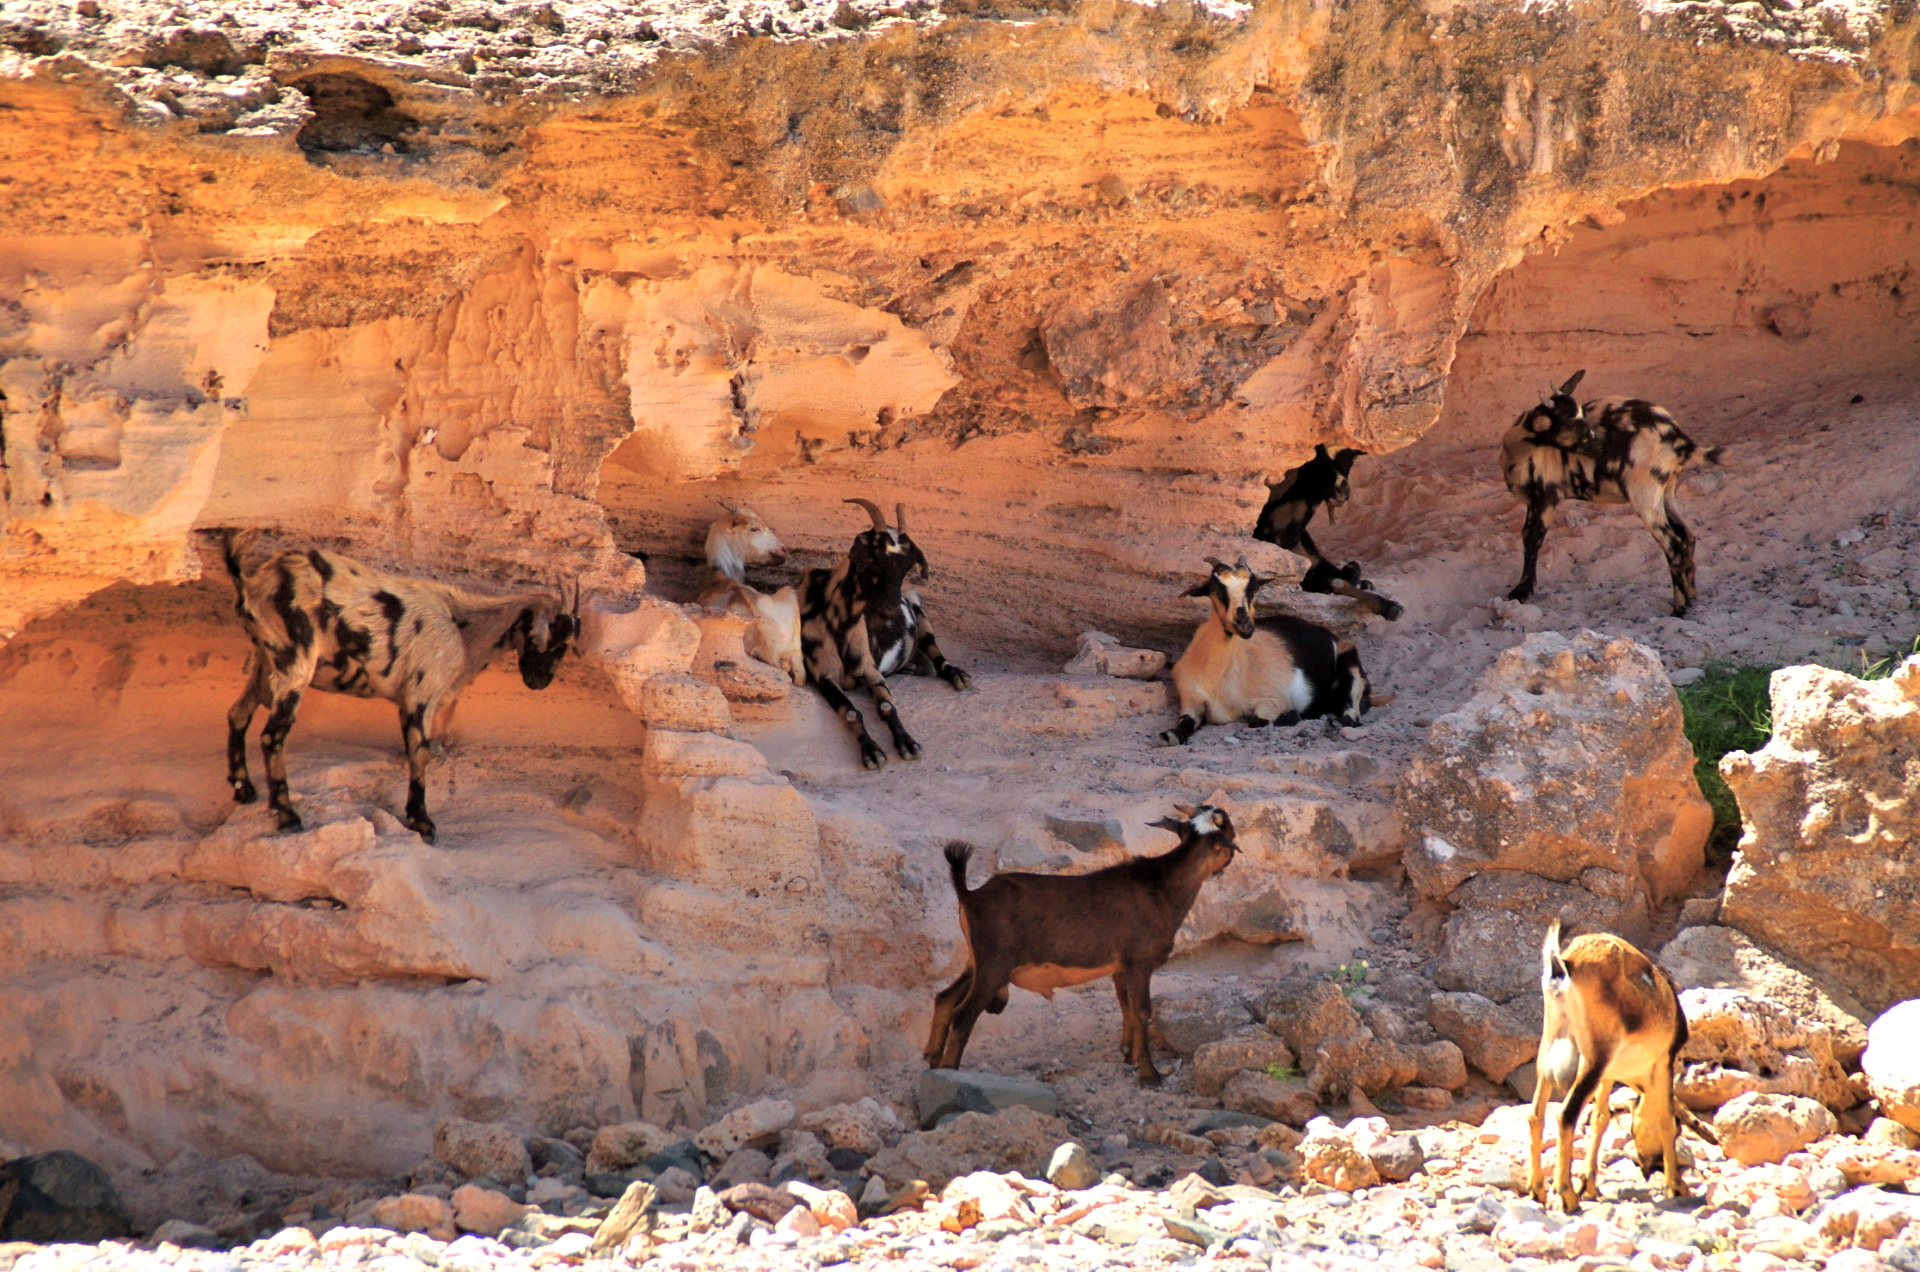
[1725, 710]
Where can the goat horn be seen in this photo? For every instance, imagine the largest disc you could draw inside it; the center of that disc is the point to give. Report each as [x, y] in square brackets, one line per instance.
[1215, 562]
[873, 510]
[1242, 563]
[900, 517]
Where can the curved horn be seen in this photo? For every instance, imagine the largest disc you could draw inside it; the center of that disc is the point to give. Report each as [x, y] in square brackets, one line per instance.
[1216, 563]
[900, 517]
[1242, 563]
[873, 510]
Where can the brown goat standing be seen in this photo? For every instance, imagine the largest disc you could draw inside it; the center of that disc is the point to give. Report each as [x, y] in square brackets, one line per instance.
[1047, 932]
[1605, 452]
[1611, 1016]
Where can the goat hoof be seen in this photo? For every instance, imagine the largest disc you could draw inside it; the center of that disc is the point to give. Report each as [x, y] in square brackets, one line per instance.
[423, 828]
[1520, 593]
[290, 822]
[872, 757]
[243, 792]
[959, 679]
[1151, 1078]
[908, 748]
[1392, 611]
[1169, 738]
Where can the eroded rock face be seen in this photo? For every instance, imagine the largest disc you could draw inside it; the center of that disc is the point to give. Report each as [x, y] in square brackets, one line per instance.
[1826, 873]
[1569, 756]
[1562, 789]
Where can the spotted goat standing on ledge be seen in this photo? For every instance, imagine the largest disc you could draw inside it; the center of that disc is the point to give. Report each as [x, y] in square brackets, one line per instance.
[1605, 452]
[859, 625]
[326, 621]
[1278, 670]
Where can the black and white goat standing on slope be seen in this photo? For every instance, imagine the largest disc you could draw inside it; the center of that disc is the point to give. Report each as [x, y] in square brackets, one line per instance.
[1607, 451]
[1321, 482]
[325, 621]
[859, 624]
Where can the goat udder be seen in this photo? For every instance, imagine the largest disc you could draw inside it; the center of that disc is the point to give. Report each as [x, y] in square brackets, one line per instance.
[1044, 978]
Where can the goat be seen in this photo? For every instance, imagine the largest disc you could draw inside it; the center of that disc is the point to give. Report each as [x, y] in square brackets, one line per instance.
[857, 626]
[1611, 1016]
[326, 621]
[1046, 932]
[734, 542]
[1321, 482]
[1631, 452]
[1279, 671]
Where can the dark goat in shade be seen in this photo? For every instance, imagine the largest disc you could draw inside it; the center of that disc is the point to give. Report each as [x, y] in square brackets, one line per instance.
[1321, 482]
[1046, 932]
[858, 625]
[326, 621]
[1607, 451]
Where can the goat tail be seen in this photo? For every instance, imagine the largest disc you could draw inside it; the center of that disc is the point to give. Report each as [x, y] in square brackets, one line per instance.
[1551, 965]
[958, 855]
[1691, 1120]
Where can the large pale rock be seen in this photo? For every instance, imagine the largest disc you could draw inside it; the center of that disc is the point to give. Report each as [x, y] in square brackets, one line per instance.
[1255, 1049]
[1755, 1129]
[487, 1150]
[1491, 944]
[1739, 1042]
[1018, 1139]
[1892, 1063]
[1289, 1100]
[1723, 958]
[1826, 872]
[1338, 1053]
[485, 1211]
[1569, 755]
[1186, 1021]
[420, 1212]
[1101, 655]
[1495, 1039]
[1331, 1155]
[863, 1126]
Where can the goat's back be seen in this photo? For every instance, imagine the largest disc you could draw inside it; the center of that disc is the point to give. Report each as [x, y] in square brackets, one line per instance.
[1614, 992]
[1088, 920]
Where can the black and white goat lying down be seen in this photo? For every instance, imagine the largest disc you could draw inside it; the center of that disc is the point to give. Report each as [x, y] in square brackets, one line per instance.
[1321, 482]
[1276, 670]
[1607, 451]
[325, 621]
[859, 624]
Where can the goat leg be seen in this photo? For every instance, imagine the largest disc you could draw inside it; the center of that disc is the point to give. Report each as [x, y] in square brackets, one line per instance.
[871, 756]
[273, 749]
[239, 720]
[1126, 1017]
[944, 1004]
[1531, 537]
[413, 735]
[1596, 1132]
[926, 648]
[1188, 725]
[986, 984]
[890, 716]
[1590, 1070]
[1140, 1020]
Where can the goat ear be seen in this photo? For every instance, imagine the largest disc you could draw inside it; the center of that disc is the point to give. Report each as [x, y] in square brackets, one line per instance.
[1255, 583]
[1573, 381]
[1174, 824]
[1344, 460]
[1199, 589]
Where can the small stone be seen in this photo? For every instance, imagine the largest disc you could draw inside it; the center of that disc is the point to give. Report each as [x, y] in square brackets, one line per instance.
[1289, 1100]
[1442, 1064]
[489, 1150]
[675, 1184]
[623, 1145]
[191, 1235]
[799, 1222]
[411, 1212]
[1397, 1158]
[482, 1210]
[1330, 1156]
[1071, 1168]
[746, 1165]
[632, 1214]
[763, 1202]
[756, 1121]
[944, 1091]
[1215, 1063]
[59, 1196]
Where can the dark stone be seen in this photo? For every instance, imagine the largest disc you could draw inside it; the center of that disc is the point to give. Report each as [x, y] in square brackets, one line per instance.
[944, 1092]
[1904, 1255]
[607, 1184]
[59, 1196]
[762, 1201]
[1226, 1120]
[1214, 1171]
[846, 1159]
[682, 1154]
